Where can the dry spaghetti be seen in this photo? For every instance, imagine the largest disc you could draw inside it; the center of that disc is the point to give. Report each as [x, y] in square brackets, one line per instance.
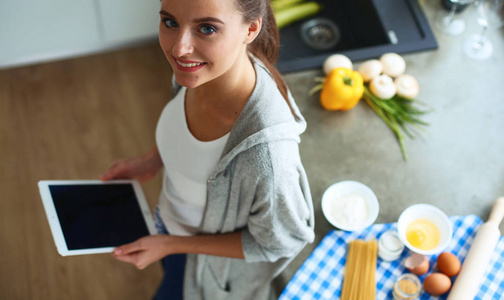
[359, 282]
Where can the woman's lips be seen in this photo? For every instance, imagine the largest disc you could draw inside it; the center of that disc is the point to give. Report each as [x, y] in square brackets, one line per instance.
[188, 66]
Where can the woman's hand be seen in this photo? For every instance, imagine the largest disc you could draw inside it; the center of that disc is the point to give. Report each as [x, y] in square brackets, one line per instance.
[144, 251]
[141, 168]
[149, 249]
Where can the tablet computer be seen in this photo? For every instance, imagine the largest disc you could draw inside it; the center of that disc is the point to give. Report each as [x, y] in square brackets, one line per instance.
[91, 216]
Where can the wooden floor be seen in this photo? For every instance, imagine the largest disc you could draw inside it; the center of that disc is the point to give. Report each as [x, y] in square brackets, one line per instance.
[70, 120]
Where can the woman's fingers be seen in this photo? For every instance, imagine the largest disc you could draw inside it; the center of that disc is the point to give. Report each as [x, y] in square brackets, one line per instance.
[142, 168]
[130, 253]
[129, 258]
[115, 171]
[138, 258]
[142, 252]
[105, 177]
[129, 248]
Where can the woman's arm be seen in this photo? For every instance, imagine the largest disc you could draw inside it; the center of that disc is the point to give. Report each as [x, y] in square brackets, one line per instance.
[143, 167]
[147, 250]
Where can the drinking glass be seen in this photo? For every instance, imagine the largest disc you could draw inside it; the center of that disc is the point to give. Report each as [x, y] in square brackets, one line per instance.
[447, 23]
[490, 16]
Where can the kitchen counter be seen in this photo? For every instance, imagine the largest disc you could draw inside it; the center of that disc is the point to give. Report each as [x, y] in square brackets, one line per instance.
[457, 164]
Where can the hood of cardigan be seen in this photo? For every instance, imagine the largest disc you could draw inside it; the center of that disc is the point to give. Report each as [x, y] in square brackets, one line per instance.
[266, 117]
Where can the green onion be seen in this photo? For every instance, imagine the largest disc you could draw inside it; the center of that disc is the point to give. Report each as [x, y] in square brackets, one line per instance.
[397, 112]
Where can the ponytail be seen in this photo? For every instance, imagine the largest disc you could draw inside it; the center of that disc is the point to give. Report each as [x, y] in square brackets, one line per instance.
[267, 44]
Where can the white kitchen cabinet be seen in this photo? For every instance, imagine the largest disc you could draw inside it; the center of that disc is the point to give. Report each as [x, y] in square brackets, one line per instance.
[126, 20]
[33, 31]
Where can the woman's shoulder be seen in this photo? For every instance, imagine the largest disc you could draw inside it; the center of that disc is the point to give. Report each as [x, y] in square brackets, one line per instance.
[267, 91]
[265, 79]
[264, 160]
[266, 96]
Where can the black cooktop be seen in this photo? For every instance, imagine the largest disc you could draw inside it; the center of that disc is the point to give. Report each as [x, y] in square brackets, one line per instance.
[359, 29]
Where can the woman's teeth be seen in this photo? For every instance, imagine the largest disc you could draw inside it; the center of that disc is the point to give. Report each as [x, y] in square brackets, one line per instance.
[188, 65]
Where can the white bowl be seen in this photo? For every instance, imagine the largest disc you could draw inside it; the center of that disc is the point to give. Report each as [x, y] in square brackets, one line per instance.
[346, 193]
[429, 213]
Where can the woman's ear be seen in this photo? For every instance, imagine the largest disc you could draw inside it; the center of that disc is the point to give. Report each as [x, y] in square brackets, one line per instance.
[253, 31]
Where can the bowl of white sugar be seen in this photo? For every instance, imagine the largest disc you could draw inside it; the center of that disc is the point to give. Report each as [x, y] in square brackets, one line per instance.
[350, 205]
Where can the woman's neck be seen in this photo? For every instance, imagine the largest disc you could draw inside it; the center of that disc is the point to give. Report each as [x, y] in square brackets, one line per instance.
[228, 93]
[213, 108]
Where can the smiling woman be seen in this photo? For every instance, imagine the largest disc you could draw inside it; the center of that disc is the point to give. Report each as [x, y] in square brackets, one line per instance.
[211, 39]
[228, 143]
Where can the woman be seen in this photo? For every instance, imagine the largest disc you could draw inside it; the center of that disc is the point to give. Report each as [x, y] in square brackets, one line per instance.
[235, 196]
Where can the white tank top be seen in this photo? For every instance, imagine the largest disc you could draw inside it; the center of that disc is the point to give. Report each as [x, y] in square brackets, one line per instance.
[188, 164]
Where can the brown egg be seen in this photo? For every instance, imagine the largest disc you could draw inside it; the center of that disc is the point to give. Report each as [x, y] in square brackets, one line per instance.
[448, 263]
[417, 264]
[437, 284]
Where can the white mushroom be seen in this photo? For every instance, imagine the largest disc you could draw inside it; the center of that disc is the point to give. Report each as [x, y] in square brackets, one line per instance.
[407, 86]
[383, 87]
[370, 69]
[393, 64]
[336, 61]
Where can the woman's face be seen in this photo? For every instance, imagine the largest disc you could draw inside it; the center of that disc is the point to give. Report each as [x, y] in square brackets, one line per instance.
[202, 39]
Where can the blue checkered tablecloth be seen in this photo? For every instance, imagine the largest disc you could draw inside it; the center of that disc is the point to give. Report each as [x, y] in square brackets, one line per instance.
[321, 275]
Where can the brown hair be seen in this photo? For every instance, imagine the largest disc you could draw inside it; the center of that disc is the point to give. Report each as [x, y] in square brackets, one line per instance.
[267, 43]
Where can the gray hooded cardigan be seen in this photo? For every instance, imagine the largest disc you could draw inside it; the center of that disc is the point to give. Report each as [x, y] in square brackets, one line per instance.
[259, 187]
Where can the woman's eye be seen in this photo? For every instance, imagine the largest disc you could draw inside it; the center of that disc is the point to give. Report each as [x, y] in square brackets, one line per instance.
[207, 29]
[169, 23]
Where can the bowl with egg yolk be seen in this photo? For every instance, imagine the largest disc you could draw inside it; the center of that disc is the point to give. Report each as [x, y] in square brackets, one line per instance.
[424, 229]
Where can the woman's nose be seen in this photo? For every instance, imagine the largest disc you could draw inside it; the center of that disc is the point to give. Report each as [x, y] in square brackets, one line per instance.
[183, 44]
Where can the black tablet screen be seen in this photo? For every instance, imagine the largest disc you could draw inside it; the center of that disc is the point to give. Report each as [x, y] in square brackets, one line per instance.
[95, 216]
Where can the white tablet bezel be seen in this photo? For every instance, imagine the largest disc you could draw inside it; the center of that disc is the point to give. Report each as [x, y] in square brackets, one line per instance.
[55, 225]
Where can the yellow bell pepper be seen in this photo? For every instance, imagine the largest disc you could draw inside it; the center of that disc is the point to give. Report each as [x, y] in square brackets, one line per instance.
[342, 89]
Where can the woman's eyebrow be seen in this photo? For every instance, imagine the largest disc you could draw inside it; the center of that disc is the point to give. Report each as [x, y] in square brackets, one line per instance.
[164, 13]
[199, 20]
[208, 19]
